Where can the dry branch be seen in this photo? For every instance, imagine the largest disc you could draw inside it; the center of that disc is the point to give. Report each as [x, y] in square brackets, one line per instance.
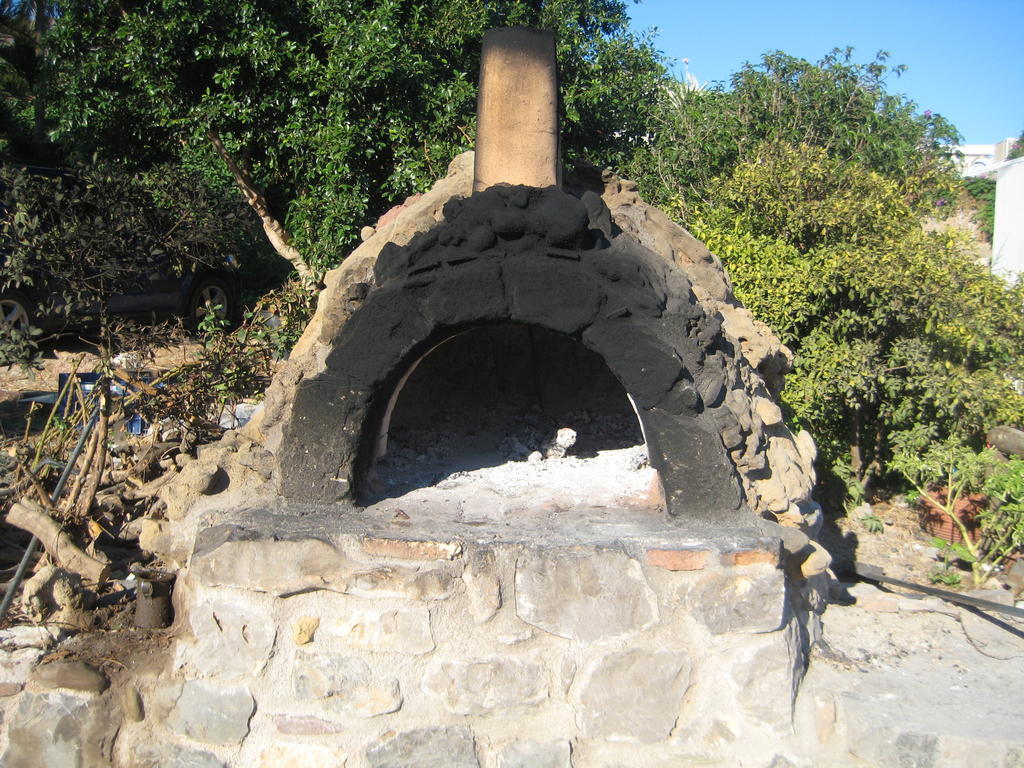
[30, 517]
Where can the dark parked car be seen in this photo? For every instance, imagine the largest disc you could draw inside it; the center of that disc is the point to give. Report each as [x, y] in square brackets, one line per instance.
[213, 285]
[166, 295]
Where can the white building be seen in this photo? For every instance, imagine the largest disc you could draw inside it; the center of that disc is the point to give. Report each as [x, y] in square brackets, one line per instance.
[976, 157]
[1008, 238]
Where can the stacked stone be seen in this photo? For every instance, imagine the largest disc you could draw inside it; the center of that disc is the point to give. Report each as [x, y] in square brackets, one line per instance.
[374, 649]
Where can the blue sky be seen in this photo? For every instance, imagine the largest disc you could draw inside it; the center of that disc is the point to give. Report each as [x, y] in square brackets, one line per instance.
[965, 57]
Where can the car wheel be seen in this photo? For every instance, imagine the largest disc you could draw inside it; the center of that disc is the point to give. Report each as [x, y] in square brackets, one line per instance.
[211, 295]
[14, 312]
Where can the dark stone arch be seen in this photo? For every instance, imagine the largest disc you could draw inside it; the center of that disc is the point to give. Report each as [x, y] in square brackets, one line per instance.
[538, 257]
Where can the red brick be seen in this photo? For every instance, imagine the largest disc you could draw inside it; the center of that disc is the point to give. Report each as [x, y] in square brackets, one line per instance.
[678, 559]
[750, 557]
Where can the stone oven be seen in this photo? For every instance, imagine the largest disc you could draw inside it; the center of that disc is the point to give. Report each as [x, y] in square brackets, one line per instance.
[325, 617]
[542, 259]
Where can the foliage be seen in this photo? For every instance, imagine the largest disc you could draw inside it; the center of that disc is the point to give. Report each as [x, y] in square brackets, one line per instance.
[336, 108]
[957, 470]
[233, 365]
[78, 239]
[836, 105]
[23, 72]
[983, 192]
[892, 327]
[872, 523]
[1018, 148]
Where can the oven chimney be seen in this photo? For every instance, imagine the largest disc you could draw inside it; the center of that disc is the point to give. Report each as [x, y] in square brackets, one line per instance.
[517, 110]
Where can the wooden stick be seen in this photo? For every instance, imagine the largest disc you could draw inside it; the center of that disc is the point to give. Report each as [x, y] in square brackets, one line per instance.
[30, 517]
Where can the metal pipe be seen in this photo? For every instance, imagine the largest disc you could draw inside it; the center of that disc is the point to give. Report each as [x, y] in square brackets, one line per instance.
[34, 543]
[874, 573]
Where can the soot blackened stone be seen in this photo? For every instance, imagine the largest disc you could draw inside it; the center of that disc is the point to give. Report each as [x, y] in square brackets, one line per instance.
[378, 335]
[699, 479]
[561, 220]
[646, 367]
[319, 446]
[553, 294]
[472, 293]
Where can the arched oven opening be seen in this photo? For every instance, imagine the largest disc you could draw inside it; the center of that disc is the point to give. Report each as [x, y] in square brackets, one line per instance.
[508, 411]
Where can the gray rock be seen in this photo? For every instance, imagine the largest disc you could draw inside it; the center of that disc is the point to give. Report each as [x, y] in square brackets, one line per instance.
[229, 556]
[767, 676]
[485, 686]
[399, 581]
[206, 712]
[304, 725]
[39, 636]
[584, 597]
[168, 755]
[343, 684]
[232, 640]
[751, 601]
[482, 586]
[532, 754]
[61, 730]
[74, 675]
[633, 695]
[16, 666]
[405, 629]
[425, 748]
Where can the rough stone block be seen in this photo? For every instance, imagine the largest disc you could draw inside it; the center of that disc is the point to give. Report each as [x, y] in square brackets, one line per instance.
[411, 550]
[753, 601]
[633, 695]
[400, 630]
[750, 557]
[397, 581]
[304, 630]
[73, 675]
[15, 666]
[678, 559]
[226, 556]
[584, 596]
[424, 748]
[766, 678]
[205, 712]
[485, 686]
[482, 586]
[300, 756]
[60, 730]
[343, 684]
[231, 640]
[303, 725]
[534, 754]
[168, 755]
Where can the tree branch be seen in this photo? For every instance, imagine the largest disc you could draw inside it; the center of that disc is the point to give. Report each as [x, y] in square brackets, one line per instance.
[278, 236]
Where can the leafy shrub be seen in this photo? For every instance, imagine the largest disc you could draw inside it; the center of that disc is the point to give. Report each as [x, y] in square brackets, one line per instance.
[943, 473]
[891, 327]
[983, 192]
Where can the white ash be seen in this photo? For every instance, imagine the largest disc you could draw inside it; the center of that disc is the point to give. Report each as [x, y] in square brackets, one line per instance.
[535, 466]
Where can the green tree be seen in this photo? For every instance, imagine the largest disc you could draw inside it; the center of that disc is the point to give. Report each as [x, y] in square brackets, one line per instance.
[894, 329]
[23, 124]
[325, 112]
[836, 105]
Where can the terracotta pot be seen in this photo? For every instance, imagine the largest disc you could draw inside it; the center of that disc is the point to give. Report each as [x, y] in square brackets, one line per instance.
[938, 524]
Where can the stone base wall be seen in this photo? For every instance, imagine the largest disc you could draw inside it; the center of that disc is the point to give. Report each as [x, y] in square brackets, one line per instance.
[299, 644]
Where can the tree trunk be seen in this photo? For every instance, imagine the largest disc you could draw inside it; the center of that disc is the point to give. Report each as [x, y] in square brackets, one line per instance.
[41, 22]
[278, 236]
